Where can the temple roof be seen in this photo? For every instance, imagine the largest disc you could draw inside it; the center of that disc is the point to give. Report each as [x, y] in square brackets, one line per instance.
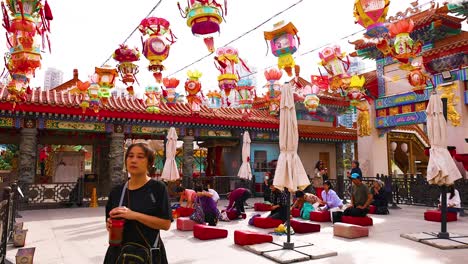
[459, 42]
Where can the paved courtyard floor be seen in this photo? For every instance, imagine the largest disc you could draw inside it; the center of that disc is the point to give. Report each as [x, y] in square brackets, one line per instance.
[78, 235]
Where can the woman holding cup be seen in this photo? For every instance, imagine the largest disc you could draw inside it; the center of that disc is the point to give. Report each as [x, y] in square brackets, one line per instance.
[138, 210]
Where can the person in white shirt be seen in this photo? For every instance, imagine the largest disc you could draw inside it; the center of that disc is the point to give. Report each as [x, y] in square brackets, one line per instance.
[215, 195]
[453, 200]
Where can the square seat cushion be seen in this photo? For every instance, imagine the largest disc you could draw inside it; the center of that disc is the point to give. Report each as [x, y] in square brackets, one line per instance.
[349, 230]
[304, 227]
[266, 222]
[185, 224]
[372, 209]
[436, 216]
[320, 216]
[262, 207]
[204, 232]
[357, 220]
[244, 237]
[295, 212]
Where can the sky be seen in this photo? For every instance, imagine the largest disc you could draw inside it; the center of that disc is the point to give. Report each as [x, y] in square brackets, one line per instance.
[85, 33]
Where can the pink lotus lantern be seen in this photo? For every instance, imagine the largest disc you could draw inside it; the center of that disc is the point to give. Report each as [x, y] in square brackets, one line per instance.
[311, 100]
[127, 69]
[170, 94]
[273, 96]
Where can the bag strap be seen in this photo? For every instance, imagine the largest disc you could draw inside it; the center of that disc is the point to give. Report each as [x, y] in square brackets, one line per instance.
[123, 193]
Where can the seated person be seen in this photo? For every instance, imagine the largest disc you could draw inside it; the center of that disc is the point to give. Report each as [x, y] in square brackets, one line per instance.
[378, 194]
[453, 200]
[302, 197]
[237, 199]
[210, 213]
[214, 194]
[188, 195]
[279, 201]
[361, 198]
[330, 199]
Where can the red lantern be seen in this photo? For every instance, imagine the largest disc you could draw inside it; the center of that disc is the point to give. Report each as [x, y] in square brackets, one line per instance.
[127, 69]
[418, 80]
[170, 93]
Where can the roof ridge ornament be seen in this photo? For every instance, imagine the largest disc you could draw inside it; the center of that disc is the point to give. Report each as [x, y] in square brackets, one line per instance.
[410, 11]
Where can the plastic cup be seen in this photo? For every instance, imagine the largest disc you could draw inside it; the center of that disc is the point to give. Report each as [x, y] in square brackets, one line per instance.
[116, 232]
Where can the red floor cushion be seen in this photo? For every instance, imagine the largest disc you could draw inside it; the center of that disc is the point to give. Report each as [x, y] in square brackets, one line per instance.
[436, 216]
[185, 224]
[372, 209]
[295, 212]
[304, 227]
[184, 211]
[204, 232]
[244, 237]
[320, 216]
[266, 222]
[355, 220]
[262, 207]
[349, 230]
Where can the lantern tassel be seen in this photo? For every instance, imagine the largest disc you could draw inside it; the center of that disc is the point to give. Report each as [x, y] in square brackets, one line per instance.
[48, 11]
[6, 20]
[182, 12]
[245, 65]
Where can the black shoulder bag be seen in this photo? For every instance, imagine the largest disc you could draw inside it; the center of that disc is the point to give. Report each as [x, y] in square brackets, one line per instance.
[136, 253]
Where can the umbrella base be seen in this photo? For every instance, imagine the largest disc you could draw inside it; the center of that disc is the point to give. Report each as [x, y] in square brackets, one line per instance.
[288, 245]
[451, 241]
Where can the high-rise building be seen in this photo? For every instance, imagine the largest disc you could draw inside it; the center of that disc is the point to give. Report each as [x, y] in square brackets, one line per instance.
[53, 78]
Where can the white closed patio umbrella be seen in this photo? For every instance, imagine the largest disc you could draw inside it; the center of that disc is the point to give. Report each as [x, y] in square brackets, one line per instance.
[290, 173]
[170, 172]
[441, 169]
[245, 172]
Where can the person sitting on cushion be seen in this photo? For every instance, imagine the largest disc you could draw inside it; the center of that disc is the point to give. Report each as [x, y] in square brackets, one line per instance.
[361, 198]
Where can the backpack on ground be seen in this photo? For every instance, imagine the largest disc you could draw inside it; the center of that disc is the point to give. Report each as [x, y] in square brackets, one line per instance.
[307, 208]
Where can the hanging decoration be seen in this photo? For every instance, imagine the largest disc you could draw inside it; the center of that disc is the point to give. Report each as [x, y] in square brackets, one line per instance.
[193, 87]
[214, 99]
[157, 44]
[363, 119]
[22, 21]
[245, 90]
[105, 78]
[170, 95]
[371, 14]
[153, 97]
[356, 92]
[94, 99]
[273, 95]
[311, 100]
[284, 43]
[127, 69]
[82, 91]
[404, 48]
[204, 18]
[336, 63]
[450, 92]
[418, 79]
[226, 61]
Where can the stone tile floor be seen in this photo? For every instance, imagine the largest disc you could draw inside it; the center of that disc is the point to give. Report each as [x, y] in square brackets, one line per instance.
[78, 235]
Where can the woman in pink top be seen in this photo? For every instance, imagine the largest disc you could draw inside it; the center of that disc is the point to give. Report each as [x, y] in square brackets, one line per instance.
[188, 195]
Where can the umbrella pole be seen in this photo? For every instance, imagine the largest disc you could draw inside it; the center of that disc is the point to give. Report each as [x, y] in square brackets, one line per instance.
[443, 211]
[288, 244]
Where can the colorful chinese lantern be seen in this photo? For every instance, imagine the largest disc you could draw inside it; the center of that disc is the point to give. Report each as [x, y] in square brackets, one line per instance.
[127, 69]
[226, 62]
[82, 91]
[356, 91]
[204, 18]
[273, 96]
[404, 48]
[245, 90]
[336, 63]
[371, 15]
[24, 19]
[105, 78]
[214, 99]
[170, 94]
[284, 42]
[153, 97]
[311, 100]
[193, 87]
[94, 100]
[156, 46]
[418, 79]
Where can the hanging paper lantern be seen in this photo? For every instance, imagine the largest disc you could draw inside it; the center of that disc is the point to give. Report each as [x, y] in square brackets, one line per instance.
[82, 92]
[404, 48]
[418, 79]
[371, 15]
[193, 87]
[226, 61]
[356, 91]
[152, 99]
[170, 94]
[105, 78]
[336, 63]
[311, 100]
[127, 69]
[214, 99]
[245, 89]
[204, 18]
[283, 44]
[156, 46]
[94, 100]
[24, 19]
[273, 95]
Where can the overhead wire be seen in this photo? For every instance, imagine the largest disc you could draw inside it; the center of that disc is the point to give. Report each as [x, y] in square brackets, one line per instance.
[134, 30]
